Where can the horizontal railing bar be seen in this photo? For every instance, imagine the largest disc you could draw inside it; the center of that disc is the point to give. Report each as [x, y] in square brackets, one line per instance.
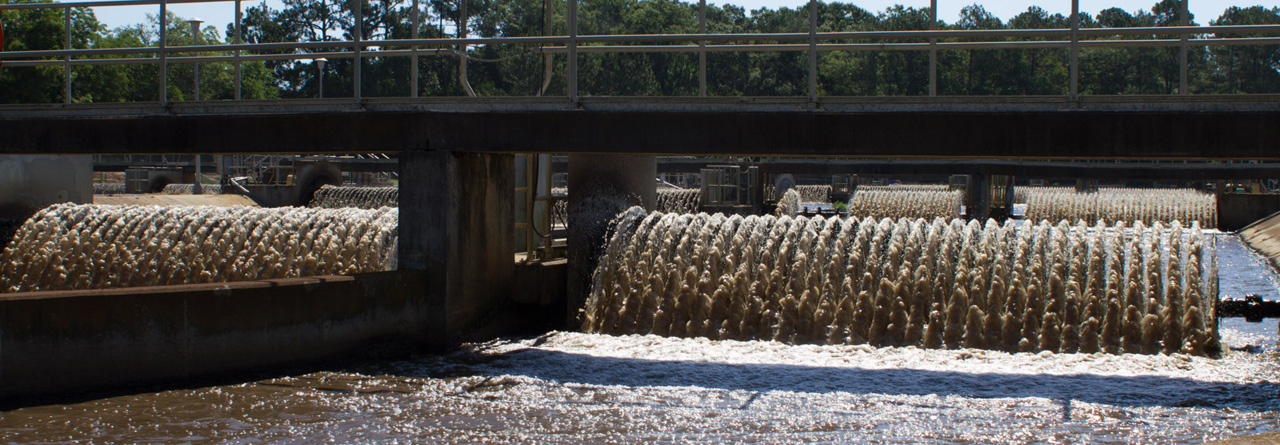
[1233, 29]
[22, 58]
[95, 4]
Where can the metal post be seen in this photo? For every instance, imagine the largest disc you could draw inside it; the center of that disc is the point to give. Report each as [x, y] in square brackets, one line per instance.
[548, 59]
[413, 68]
[462, 56]
[933, 49]
[195, 38]
[320, 74]
[164, 62]
[813, 51]
[66, 67]
[702, 48]
[1074, 93]
[572, 17]
[239, 17]
[1182, 53]
[359, 61]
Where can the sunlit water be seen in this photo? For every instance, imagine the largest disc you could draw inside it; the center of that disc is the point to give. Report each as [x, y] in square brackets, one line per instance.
[591, 388]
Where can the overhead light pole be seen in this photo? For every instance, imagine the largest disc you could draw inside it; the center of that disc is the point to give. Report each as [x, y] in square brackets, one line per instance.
[320, 65]
[195, 34]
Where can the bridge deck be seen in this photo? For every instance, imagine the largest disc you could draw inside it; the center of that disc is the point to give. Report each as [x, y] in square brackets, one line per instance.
[1112, 127]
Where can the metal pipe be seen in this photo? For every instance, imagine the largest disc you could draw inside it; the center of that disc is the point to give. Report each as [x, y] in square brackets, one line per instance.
[195, 38]
[238, 42]
[462, 48]
[17, 58]
[702, 48]
[1182, 53]
[933, 49]
[164, 64]
[548, 59]
[1073, 93]
[813, 51]
[413, 59]
[66, 69]
[359, 61]
[572, 17]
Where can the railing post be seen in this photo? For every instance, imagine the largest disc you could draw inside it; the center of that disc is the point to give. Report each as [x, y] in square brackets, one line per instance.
[66, 67]
[548, 59]
[933, 48]
[1074, 88]
[702, 48]
[813, 51]
[413, 68]
[462, 56]
[572, 17]
[1182, 55]
[164, 62]
[238, 41]
[359, 36]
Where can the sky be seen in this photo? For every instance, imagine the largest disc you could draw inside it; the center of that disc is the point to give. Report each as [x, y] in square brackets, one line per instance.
[222, 13]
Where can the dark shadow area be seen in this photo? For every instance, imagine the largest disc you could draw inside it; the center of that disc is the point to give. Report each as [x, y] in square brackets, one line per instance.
[1131, 391]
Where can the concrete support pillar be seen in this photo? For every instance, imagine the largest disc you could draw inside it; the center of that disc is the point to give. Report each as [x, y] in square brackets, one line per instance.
[32, 182]
[600, 187]
[456, 222]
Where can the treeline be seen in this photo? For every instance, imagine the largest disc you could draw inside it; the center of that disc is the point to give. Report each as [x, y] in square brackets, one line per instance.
[517, 70]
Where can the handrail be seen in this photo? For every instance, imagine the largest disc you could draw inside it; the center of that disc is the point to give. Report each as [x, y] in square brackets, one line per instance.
[702, 43]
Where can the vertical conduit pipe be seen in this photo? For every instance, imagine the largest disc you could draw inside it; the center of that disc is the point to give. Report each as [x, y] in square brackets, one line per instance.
[813, 52]
[164, 62]
[933, 48]
[1182, 53]
[239, 41]
[413, 66]
[67, 60]
[359, 61]
[702, 48]
[1074, 88]
[572, 17]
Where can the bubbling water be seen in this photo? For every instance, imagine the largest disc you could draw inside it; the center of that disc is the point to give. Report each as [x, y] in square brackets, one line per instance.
[74, 247]
[933, 284]
[189, 189]
[1119, 204]
[814, 193]
[337, 197]
[111, 188]
[906, 201]
[674, 200]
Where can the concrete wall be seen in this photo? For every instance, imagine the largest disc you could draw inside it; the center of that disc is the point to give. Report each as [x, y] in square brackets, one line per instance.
[600, 187]
[1264, 236]
[1237, 210]
[456, 223]
[30, 183]
[60, 343]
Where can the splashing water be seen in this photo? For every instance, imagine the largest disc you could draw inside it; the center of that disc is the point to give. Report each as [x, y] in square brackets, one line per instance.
[188, 189]
[74, 247]
[934, 284]
[906, 201]
[673, 200]
[1119, 204]
[337, 197]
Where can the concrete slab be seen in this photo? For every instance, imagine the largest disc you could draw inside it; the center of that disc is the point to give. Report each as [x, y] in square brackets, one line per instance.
[1264, 236]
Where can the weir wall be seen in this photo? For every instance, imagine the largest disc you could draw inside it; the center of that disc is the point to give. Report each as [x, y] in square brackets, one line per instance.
[66, 343]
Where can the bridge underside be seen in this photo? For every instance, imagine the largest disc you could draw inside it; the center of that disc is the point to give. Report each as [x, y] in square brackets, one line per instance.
[998, 128]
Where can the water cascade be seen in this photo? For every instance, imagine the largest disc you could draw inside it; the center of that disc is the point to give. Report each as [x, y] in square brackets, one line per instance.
[934, 284]
[337, 197]
[906, 201]
[676, 200]
[1119, 204]
[188, 189]
[71, 247]
[112, 188]
[814, 193]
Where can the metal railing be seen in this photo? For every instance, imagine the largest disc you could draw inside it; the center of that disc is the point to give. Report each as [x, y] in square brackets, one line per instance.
[574, 44]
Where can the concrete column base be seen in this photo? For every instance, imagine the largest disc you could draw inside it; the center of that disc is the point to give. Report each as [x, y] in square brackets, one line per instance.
[456, 222]
[600, 187]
